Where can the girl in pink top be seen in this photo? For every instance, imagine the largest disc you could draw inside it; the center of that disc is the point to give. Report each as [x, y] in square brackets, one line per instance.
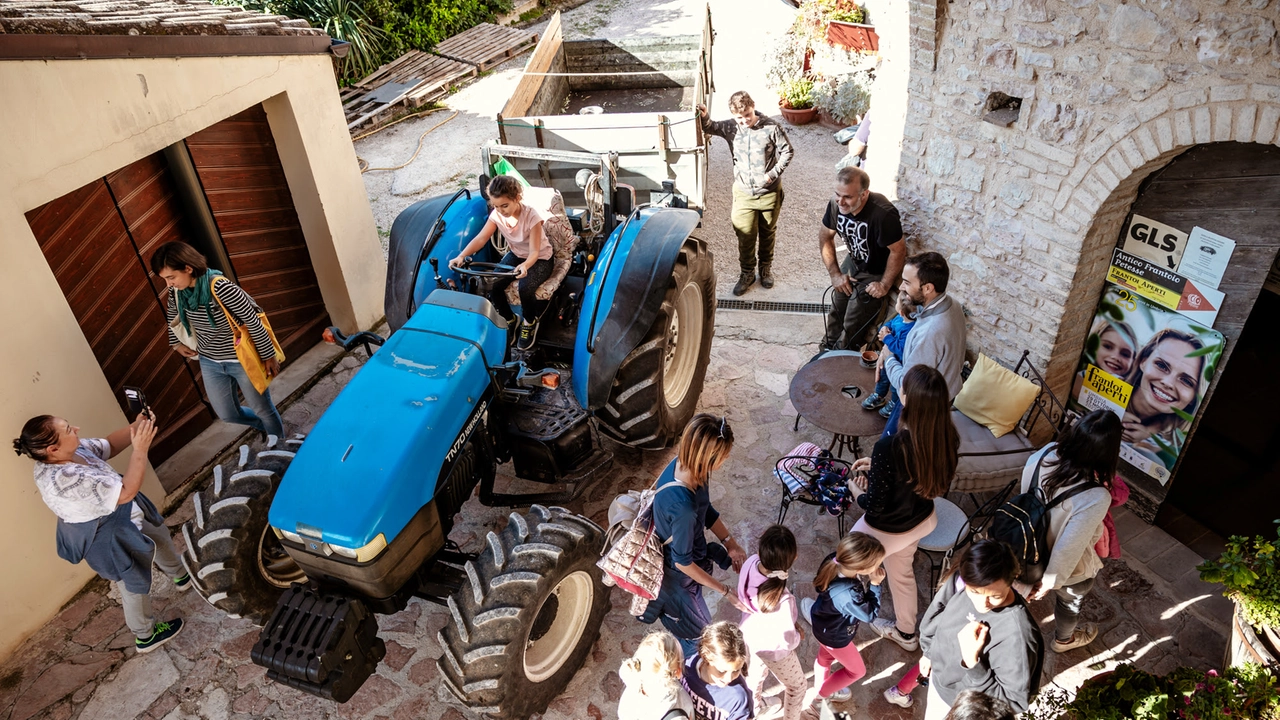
[524, 217]
[769, 623]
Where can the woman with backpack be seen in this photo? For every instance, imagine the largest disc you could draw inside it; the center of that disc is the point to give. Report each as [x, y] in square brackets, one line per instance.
[1079, 468]
[905, 472]
[979, 634]
[681, 517]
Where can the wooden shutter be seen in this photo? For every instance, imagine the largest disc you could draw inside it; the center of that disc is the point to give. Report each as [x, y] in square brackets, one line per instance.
[240, 170]
[94, 258]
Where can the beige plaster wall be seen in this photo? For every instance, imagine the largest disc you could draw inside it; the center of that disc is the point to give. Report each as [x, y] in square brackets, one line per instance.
[79, 121]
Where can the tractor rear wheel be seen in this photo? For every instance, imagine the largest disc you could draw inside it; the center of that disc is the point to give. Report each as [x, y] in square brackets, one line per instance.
[526, 620]
[658, 384]
[234, 559]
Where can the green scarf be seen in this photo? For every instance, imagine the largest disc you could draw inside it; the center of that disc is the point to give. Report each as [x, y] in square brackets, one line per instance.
[198, 295]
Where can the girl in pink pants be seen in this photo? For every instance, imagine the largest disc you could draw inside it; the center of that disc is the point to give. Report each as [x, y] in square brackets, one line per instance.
[848, 585]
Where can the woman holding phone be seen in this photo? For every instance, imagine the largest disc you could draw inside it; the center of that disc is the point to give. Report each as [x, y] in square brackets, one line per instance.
[103, 517]
[196, 301]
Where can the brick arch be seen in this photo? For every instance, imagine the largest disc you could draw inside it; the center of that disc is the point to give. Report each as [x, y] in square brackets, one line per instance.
[1109, 176]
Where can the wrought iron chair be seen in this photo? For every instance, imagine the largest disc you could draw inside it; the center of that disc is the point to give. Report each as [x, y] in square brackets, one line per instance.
[799, 477]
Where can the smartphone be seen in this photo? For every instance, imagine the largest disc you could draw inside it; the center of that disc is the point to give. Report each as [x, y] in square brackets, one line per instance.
[137, 401]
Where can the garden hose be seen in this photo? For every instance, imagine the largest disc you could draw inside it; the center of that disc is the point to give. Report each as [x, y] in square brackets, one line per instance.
[364, 165]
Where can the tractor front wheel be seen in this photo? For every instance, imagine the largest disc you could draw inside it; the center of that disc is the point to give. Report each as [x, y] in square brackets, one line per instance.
[656, 390]
[234, 559]
[528, 616]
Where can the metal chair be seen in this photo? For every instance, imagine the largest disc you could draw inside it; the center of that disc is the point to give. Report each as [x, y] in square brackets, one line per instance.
[953, 525]
[798, 476]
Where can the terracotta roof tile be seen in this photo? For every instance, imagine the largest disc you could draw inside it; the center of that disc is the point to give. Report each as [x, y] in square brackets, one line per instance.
[142, 17]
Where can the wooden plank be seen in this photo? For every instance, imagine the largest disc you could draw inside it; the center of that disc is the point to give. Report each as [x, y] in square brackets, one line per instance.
[434, 76]
[546, 52]
[486, 45]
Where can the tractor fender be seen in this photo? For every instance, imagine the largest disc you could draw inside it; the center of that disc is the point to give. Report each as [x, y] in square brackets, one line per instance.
[438, 227]
[623, 295]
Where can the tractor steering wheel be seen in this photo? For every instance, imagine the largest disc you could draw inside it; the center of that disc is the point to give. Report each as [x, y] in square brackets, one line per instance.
[485, 270]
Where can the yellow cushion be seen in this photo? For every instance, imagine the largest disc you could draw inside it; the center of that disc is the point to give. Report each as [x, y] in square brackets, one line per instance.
[995, 397]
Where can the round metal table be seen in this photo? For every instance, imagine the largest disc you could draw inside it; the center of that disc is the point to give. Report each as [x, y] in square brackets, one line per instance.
[829, 391]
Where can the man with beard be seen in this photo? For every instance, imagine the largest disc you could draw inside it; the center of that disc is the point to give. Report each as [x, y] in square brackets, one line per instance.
[938, 338]
[871, 230]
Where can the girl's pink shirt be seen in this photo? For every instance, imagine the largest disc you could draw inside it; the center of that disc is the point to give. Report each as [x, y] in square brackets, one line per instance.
[770, 635]
[537, 208]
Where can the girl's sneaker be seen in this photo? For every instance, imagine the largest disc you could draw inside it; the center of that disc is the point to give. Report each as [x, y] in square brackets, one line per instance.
[875, 401]
[841, 696]
[162, 633]
[897, 698]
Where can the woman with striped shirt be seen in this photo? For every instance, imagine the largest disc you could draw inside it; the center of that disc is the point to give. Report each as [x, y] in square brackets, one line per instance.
[193, 299]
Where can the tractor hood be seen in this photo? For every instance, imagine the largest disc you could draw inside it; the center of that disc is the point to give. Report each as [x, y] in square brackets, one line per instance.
[374, 458]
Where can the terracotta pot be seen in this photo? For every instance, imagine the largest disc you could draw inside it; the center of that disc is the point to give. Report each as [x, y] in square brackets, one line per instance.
[798, 117]
[851, 36]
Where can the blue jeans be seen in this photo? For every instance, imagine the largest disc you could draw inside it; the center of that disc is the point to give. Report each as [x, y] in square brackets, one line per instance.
[891, 427]
[884, 389]
[220, 382]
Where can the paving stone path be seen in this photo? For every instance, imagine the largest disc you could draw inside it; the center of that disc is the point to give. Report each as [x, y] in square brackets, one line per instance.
[82, 665]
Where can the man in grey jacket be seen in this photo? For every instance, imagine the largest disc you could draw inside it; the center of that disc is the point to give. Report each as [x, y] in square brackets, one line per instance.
[761, 152]
[938, 339]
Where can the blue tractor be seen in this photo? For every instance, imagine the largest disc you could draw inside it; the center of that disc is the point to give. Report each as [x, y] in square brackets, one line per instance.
[313, 545]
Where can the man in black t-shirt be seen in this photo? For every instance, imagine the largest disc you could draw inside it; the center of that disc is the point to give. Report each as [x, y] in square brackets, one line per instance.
[871, 230]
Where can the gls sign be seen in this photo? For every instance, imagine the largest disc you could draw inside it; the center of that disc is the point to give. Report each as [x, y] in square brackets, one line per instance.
[1153, 241]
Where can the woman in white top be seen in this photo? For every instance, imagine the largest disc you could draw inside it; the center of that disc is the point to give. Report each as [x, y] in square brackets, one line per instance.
[1084, 453]
[526, 220]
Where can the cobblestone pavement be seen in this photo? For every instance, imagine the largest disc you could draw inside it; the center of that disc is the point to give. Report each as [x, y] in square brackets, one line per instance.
[82, 665]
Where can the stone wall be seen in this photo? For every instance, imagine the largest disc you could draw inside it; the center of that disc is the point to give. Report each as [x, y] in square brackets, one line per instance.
[1028, 214]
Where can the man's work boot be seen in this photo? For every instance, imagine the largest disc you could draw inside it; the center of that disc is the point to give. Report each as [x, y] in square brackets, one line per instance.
[766, 276]
[745, 281]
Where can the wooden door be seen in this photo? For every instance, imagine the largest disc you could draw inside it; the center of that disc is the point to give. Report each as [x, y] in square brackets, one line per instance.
[91, 238]
[239, 168]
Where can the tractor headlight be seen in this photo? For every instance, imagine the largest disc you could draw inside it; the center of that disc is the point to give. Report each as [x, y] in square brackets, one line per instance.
[286, 535]
[362, 554]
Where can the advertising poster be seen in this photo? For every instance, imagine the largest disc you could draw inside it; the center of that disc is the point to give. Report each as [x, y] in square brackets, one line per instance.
[1151, 365]
[1165, 287]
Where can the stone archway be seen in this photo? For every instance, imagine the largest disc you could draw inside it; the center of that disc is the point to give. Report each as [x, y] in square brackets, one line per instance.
[1110, 183]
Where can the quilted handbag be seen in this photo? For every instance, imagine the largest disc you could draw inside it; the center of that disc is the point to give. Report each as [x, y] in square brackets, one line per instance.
[633, 561]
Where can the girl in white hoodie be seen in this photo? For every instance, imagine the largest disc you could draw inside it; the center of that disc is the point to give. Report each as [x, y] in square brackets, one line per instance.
[769, 624]
[652, 679]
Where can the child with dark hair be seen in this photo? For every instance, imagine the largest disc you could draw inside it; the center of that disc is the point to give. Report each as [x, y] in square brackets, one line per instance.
[1080, 468]
[973, 705]
[979, 634]
[769, 624]
[528, 219]
[894, 336]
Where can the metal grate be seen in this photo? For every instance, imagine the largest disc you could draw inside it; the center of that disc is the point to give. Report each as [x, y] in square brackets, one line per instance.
[769, 306]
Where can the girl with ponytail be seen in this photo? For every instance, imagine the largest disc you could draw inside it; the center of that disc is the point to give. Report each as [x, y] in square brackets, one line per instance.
[848, 585]
[769, 623]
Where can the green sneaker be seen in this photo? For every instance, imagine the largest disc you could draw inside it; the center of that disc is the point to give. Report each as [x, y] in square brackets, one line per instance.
[162, 633]
[182, 582]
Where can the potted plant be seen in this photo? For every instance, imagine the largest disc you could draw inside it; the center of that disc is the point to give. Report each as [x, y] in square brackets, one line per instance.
[1249, 571]
[1127, 693]
[796, 101]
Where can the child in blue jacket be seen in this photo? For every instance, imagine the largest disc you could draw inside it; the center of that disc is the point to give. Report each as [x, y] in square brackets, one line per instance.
[844, 600]
[894, 336]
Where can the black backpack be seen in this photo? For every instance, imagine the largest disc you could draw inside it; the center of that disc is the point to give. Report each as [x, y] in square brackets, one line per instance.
[1022, 523]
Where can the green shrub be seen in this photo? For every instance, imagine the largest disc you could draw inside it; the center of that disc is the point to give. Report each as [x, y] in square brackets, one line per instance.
[1243, 693]
[797, 93]
[1249, 570]
[846, 97]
